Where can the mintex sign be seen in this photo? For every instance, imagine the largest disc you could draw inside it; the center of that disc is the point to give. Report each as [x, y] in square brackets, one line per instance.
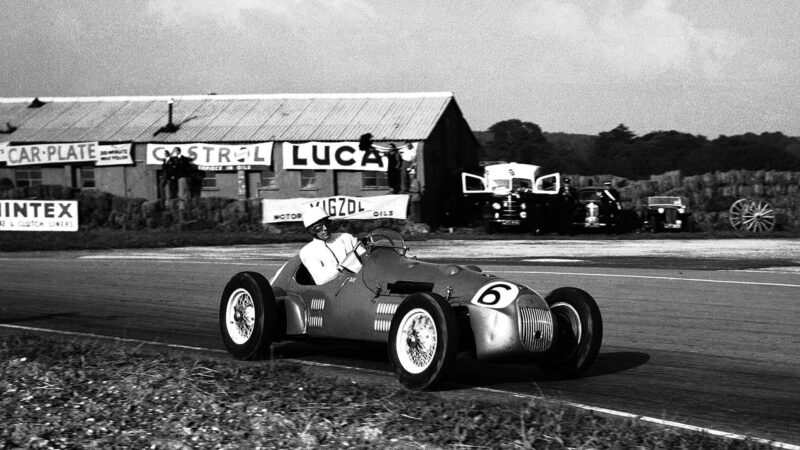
[39, 215]
[338, 207]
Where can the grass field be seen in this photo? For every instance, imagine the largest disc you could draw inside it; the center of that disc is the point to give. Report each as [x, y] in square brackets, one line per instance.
[76, 393]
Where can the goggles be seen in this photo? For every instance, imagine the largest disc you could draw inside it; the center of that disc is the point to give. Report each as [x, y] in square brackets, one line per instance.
[317, 227]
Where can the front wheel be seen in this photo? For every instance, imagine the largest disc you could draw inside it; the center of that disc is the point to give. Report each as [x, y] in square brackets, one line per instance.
[579, 332]
[247, 315]
[423, 340]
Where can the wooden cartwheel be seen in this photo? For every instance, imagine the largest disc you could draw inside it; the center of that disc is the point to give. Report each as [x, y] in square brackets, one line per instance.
[752, 215]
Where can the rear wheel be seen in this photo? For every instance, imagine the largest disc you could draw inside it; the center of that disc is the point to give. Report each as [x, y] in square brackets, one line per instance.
[247, 315]
[579, 332]
[423, 341]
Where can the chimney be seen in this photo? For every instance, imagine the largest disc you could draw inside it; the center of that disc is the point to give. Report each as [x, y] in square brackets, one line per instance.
[170, 127]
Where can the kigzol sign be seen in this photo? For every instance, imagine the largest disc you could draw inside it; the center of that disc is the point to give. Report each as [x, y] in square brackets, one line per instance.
[338, 207]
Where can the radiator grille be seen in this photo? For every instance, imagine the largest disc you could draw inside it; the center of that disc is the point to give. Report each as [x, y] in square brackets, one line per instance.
[511, 207]
[535, 329]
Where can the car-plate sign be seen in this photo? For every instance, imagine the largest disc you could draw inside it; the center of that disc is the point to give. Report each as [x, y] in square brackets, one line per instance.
[497, 294]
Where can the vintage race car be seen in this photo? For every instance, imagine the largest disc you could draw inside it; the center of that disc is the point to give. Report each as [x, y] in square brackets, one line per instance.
[425, 313]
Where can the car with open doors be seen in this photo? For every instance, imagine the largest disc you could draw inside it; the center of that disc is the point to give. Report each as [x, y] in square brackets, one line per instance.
[425, 313]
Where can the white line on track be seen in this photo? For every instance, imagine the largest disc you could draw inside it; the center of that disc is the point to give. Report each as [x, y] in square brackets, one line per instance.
[597, 409]
[155, 260]
[645, 277]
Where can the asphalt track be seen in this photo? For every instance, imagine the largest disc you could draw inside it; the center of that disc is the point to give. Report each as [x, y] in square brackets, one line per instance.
[708, 338]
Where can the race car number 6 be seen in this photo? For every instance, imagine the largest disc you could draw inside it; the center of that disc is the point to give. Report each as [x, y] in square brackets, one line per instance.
[497, 294]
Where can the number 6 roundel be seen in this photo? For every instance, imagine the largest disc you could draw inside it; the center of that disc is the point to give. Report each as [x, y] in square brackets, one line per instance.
[497, 294]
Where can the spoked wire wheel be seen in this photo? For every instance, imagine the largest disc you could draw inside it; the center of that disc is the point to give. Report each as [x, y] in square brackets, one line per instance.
[248, 316]
[240, 316]
[423, 340]
[754, 216]
[416, 341]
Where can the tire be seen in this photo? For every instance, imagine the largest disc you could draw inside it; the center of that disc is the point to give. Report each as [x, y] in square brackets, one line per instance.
[490, 227]
[423, 341]
[248, 316]
[579, 332]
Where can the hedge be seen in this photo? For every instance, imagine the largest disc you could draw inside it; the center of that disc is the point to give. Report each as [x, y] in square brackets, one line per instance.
[709, 198]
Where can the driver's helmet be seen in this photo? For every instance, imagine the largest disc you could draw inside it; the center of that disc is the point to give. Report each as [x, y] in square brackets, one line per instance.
[313, 215]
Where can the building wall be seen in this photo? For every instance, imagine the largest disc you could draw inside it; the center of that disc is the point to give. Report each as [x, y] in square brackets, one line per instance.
[441, 158]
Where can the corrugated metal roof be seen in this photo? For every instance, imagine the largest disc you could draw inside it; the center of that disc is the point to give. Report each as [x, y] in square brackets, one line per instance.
[233, 118]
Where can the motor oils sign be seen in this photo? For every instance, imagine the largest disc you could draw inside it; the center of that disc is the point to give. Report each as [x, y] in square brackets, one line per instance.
[332, 156]
[338, 207]
[39, 215]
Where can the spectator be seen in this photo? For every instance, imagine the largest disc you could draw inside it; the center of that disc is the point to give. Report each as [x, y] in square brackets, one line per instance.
[408, 168]
[182, 171]
[167, 191]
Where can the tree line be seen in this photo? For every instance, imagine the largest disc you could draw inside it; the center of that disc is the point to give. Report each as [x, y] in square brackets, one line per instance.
[622, 153]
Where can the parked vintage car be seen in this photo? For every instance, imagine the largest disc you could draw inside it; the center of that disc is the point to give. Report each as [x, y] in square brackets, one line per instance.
[666, 213]
[512, 195]
[424, 313]
[598, 208]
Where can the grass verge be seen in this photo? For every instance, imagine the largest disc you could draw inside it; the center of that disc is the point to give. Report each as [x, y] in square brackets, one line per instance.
[83, 393]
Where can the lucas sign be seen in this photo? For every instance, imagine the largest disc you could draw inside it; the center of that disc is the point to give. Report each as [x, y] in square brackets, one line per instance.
[215, 157]
[338, 207]
[332, 155]
[39, 215]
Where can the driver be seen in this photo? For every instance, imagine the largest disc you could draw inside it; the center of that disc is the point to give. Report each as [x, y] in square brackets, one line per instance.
[325, 253]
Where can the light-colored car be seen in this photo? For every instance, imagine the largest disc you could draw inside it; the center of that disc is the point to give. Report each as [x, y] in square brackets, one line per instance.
[425, 313]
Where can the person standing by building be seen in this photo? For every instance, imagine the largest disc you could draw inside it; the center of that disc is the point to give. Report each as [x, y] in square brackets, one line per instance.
[393, 171]
[182, 172]
[166, 175]
[408, 168]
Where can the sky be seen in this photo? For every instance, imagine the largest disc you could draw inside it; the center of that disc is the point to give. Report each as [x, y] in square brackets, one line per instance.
[708, 67]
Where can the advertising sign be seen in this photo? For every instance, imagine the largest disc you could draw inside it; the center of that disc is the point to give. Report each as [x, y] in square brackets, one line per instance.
[338, 207]
[24, 155]
[215, 157]
[39, 215]
[101, 155]
[332, 155]
[114, 155]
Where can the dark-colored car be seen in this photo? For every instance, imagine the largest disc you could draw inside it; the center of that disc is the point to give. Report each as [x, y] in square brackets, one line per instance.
[424, 313]
[666, 213]
[597, 208]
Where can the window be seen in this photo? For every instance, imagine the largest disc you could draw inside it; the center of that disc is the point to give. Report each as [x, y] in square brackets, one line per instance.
[374, 180]
[268, 180]
[308, 179]
[210, 180]
[29, 177]
[86, 177]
